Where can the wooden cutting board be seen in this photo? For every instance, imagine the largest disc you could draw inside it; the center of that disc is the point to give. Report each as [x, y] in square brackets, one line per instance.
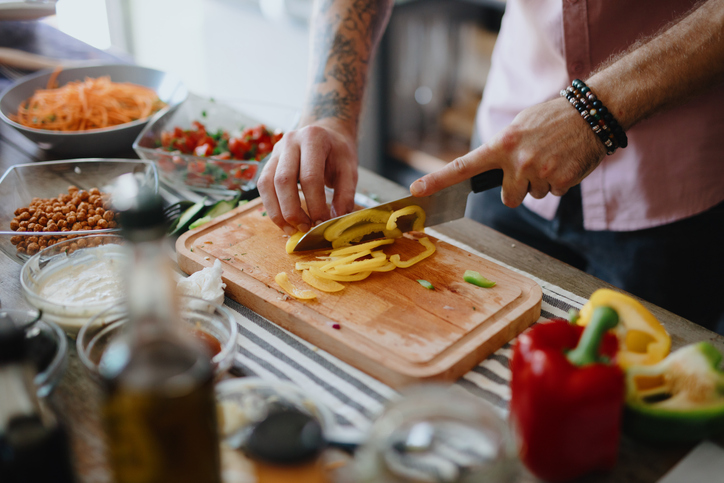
[390, 326]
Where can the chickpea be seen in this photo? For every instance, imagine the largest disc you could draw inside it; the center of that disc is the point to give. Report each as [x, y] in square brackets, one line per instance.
[65, 228]
[20, 211]
[71, 219]
[51, 242]
[92, 221]
[108, 215]
[24, 224]
[52, 227]
[83, 195]
[84, 206]
[57, 209]
[91, 212]
[43, 221]
[82, 216]
[21, 250]
[93, 198]
[66, 198]
[43, 242]
[14, 225]
[62, 224]
[112, 224]
[95, 191]
[100, 211]
[35, 199]
[21, 229]
[77, 226]
[32, 239]
[33, 248]
[62, 239]
[73, 208]
[33, 219]
[75, 201]
[98, 203]
[24, 216]
[74, 246]
[31, 226]
[23, 244]
[102, 223]
[72, 189]
[15, 239]
[82, 243]
[32, 209]
[65, 210]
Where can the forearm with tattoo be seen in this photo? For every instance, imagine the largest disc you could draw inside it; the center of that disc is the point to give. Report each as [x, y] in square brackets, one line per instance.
[345, 35]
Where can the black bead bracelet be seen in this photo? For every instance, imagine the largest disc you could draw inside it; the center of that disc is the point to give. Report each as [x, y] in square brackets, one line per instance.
[592, 110]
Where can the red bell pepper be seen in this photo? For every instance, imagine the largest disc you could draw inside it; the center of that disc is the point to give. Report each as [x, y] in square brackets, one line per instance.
[567, 404]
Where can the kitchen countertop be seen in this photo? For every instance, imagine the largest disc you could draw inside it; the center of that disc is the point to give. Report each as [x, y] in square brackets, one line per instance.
[76, 398]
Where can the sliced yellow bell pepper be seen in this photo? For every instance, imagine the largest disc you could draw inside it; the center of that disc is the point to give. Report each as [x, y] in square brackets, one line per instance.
[418, 225]
[371, 216]
[356, 233]
[331, 275]
[323, 284]
[283, 280]
[642, 338]
[429, 250]
[293, 240]
[344, 261]
[362, 247]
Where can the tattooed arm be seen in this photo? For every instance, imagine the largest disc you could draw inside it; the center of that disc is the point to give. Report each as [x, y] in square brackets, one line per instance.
[324, 149]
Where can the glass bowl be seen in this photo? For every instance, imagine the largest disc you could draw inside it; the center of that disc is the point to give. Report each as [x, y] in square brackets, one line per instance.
[94, 142]
[209, 174]
[243, 402]
[196, 314]
[67, 261]
[22, 182]
[47, 347]
[438, 433]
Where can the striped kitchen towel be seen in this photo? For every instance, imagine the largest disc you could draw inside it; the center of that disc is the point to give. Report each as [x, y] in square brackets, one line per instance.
[270, 352]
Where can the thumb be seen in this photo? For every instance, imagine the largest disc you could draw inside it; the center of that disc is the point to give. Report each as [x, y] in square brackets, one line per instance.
[462, 168]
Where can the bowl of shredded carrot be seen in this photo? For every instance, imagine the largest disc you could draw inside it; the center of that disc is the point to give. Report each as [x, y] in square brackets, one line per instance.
[89, 111]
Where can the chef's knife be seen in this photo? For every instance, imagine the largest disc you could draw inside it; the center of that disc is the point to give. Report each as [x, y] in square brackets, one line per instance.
[445, 205]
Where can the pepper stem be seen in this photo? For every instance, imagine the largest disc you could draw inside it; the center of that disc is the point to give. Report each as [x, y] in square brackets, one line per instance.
[586, 352]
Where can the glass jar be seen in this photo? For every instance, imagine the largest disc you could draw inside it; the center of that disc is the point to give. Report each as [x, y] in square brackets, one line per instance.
[438, 434]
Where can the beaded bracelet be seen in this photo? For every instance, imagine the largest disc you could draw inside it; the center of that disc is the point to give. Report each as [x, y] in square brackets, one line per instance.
[602, 122]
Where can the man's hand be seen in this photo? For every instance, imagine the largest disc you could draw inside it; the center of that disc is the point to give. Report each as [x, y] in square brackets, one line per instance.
[547, 148]
[321, 153]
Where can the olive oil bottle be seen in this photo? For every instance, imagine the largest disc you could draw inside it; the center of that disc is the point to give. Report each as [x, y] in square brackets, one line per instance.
[159, 409]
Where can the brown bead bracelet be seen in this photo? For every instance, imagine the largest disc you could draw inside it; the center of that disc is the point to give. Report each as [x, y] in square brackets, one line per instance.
[592, 110]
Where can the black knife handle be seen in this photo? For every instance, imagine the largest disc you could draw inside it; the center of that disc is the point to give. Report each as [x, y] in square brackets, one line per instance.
[487, 180]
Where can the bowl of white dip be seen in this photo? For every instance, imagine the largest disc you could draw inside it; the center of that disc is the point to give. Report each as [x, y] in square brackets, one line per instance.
[74, 280]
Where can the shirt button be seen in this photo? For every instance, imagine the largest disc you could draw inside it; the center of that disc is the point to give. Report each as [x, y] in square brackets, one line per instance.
[576, 67]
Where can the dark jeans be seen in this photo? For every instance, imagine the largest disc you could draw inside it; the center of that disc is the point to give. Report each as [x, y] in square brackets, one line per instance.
[678, 266]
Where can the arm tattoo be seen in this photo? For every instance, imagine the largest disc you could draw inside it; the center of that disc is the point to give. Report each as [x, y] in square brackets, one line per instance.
[344, 42]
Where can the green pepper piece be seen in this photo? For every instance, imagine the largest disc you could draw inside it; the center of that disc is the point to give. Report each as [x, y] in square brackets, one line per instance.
[426, 284]
[678, 400]
[475, 278]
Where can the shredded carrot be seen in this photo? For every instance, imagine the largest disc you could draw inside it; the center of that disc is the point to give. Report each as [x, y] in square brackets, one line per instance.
[89, 104]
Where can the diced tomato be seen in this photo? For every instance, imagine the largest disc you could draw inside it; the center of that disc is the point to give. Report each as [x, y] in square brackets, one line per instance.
[203, 150]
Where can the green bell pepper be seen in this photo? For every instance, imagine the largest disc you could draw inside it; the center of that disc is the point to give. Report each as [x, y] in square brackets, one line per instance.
[678, 400]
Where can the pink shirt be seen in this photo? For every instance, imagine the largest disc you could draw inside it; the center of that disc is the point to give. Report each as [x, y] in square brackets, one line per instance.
[673, 166]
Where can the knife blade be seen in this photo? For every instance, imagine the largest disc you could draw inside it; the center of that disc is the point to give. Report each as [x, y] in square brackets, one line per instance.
[445, 205]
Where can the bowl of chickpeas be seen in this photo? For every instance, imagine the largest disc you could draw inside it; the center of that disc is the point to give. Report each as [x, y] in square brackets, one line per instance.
[42, 204]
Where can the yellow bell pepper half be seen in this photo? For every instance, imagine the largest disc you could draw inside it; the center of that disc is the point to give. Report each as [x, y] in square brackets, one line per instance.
[642, 338]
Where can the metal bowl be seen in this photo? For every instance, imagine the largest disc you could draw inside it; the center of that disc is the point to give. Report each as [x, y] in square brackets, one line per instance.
[22, 182]
[94, 142]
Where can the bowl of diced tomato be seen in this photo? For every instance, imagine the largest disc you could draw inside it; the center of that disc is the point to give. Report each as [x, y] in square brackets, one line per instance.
[207, 146]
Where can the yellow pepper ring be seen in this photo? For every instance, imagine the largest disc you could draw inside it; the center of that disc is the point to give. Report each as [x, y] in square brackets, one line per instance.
[371, 216]
[356, 233]
[429, 250]
[643, 339]
[283, 280]
[418, 225]
[305, 265]
[293, 240]
[361, 266]
[323, 284]
[343, 261]
[339, 278]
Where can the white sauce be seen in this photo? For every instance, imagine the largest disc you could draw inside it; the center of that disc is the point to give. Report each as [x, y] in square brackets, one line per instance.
[95, 280]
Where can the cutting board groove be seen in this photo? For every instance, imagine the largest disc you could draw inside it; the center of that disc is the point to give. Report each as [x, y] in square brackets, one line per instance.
[390, 326]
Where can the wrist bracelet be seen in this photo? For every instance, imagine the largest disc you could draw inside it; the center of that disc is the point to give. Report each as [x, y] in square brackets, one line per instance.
[592, 110]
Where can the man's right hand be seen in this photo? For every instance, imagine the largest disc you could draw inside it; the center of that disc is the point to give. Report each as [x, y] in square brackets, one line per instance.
[321, 153]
